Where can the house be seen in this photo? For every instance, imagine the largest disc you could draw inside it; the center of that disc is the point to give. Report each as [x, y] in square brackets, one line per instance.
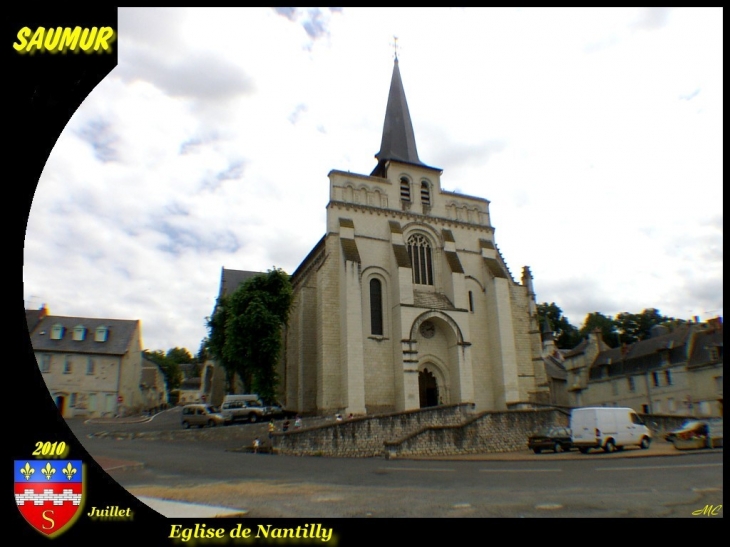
[677, 372]
[153, 386]
[190, 391]
[407, 302]
[92, 367]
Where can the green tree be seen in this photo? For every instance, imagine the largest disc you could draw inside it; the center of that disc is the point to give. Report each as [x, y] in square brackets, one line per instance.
[170, 368]
[252, 319]
[637, 326]
[216, 340]
[184, 360]
[567, 336]
[606, 324]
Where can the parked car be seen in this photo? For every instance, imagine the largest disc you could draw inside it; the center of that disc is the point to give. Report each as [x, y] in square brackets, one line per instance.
[239, 409]
[696, 434]
[201, 415]
[669, 437]
[557, 439]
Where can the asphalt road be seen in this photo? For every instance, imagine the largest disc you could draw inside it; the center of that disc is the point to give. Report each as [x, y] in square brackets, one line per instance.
[208, 469]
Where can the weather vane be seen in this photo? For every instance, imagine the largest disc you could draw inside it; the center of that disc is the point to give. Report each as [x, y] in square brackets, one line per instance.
[395, 47]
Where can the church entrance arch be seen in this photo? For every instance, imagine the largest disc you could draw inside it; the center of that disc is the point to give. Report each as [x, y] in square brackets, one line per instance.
[428, 388]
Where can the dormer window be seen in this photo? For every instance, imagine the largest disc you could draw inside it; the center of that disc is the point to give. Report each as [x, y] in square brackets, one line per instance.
[102, 333]
[425, 193]
[405, 189]
[79, 333]
[57, 331]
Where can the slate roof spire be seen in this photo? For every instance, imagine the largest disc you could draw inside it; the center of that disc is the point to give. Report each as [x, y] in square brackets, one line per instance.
[398, 141]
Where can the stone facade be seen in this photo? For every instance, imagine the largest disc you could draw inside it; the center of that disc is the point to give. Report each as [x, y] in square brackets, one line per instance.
[677, 373]
[407, 302]
[92, 367]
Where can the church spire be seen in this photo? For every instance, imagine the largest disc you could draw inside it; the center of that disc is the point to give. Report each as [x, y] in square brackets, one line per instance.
[398, 141]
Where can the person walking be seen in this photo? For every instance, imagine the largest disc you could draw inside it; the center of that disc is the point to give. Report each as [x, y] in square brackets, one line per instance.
[298, 422]
[256, 445]
[272, 428]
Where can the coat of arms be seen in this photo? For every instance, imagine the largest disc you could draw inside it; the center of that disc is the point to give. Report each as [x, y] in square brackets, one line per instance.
[49, 493]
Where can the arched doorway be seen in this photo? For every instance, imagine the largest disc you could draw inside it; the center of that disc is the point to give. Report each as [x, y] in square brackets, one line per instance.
[428, 389]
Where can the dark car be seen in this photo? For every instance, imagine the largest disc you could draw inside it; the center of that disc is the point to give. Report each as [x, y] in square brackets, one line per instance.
[557, 439]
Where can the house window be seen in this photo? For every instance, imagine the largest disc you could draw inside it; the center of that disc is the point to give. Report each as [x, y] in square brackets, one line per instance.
[405, 189]
[57, 331]
[668, 377]
[657, 407]
[425, 193]
[45, 363]
[645, 409]
[376, 307]
[632, 386]
[671, 404]
[471, 302]
[714, 356]
[79, 333]
[102, 333]
[73, 400]
[420, 253]
[90, 365]
[67, 366]
[655, 378]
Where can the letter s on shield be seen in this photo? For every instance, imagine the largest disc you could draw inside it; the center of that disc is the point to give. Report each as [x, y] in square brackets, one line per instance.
[49, 493]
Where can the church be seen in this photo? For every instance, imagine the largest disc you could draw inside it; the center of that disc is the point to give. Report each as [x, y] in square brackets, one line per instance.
[406, 302]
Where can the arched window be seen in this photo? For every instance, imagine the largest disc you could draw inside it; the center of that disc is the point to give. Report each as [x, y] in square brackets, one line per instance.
[420, 252]
[405, 189]
[376, 307]
[425, 193]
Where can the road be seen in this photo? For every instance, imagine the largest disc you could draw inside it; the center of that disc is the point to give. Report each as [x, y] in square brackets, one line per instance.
[208, 469]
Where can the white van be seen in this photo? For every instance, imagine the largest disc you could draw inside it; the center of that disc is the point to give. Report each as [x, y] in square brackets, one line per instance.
[608, 428]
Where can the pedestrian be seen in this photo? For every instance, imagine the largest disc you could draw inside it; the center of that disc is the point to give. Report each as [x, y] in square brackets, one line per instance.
[272, 428]
[256, 445]
[338, 417]
[285, 426]
[350, 417]
[298, 422]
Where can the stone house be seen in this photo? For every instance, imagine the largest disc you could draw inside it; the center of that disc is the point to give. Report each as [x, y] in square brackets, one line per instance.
[92, 367]
[669, 373]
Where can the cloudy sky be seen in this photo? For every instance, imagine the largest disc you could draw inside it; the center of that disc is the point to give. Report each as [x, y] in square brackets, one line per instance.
[595, 133]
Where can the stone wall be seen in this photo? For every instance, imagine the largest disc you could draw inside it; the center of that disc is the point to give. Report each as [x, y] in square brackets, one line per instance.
[505, 431]
[443, 430]
[438, 431]
[366, 437]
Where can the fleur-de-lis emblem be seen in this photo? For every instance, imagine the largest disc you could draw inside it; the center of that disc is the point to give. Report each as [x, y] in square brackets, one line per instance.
[27, 471]
[48, 471]
[69, 471]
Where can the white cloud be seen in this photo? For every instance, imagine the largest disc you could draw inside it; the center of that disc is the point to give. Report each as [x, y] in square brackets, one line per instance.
[596, 134]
